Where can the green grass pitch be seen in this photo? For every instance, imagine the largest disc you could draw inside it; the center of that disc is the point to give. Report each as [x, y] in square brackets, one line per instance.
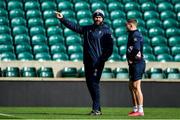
[81, 113]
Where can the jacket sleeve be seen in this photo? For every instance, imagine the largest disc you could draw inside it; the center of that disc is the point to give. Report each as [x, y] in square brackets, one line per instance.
[71, 25]
[107, 47]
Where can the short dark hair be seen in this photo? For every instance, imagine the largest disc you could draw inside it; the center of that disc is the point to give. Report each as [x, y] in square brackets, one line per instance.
[133, 21]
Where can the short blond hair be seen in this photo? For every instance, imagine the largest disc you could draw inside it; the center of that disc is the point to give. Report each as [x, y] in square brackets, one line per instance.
[133, 21]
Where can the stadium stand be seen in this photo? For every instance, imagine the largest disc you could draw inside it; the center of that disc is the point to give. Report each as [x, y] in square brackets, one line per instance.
[30, 31]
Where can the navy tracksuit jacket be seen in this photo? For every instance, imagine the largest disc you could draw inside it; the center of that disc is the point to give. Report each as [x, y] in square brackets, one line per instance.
[98, 47]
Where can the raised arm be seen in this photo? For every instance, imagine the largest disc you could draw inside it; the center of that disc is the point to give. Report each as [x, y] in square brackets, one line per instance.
[71, 25]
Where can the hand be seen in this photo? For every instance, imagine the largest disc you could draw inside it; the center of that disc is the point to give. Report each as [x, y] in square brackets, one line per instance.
[59, 15]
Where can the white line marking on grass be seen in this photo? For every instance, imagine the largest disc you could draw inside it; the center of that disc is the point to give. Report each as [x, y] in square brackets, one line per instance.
[2, 114]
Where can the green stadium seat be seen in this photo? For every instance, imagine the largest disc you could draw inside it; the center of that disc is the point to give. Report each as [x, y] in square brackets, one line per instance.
[69, 32]
[54, 30]
[121, 73]
[167, 14]
[146, 40]
[38, 39]
[33, 14]
[163, 6]
[170, 23]
[11, 72]
[149, 57]
[33, 22]
[177, 7]
[5, 29]
[76, 57]
[31, 5]
[174, 40]
[65, 5]
[3, 13]
[52, 22]
[156, 73]
[68, 13]
[16, 13]
[82, 5]
[40, 49]
[2, 4]
[151, 15]
[18, 21]
[115, 57]
[60, 57]
[170, 32]
[69, 72]
[127, 1]
[130, 6]
[7, 56]
[4, 21]
[20, 30]
[174, 1]
[73, 39]
[124, 57]
[85, 21]
[122, 40]
[76, 48]
[25, 56]
[147, 49]
[148, 6]
[49, 14]
[45, 72]
[28, 72]
[6, 39]
[141, 22]
[14, 5]
[122, 50]
[155, 31]
[56, 39]
[58, 48]
[21, 39]
[153, 23]
[84, 14]
[117, 14]
[75, 1]
[115, 5]
[37, 30]
[120, 31]
[23, 48]
[98, 5]
[178, 16]
[81, 72]
[172, 73]
[6, 48]
[158, 40]
[118, 23]
[43, 56]
[115, 49]
[175, 49]
[107, 73]
[164, 57]
[161, 50]
[134, 14]
[177, 58]
[48, 5]
[143, 30]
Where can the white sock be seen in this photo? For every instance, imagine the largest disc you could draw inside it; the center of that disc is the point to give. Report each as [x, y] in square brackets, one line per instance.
[140, 108]
[135, 108]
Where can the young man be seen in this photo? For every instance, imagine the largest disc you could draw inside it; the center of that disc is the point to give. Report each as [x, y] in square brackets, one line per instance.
[136, 66]
[97, 48]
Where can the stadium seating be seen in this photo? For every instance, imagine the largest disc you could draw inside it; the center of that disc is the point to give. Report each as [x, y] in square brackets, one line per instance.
[29, 30]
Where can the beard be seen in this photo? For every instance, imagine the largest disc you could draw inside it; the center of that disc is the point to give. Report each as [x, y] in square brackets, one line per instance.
[97, 22]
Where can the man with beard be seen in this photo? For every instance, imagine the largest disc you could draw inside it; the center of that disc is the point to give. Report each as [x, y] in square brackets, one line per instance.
[97, 48]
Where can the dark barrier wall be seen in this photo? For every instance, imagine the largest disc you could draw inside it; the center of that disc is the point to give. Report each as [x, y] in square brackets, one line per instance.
[74, 93]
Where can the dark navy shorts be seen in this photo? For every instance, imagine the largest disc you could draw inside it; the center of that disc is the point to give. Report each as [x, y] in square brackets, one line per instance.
[136, 71]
